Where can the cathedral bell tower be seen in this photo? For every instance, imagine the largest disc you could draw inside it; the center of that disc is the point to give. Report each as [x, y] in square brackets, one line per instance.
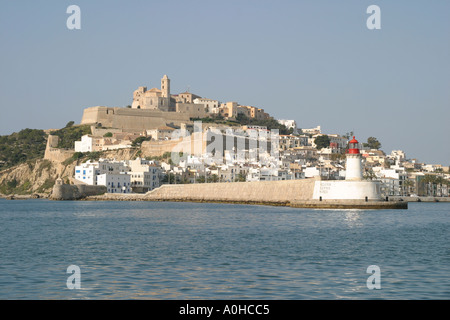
[165, 87]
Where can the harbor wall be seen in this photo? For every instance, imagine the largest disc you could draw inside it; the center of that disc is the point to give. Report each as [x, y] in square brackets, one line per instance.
[263, 192]
[75, 192]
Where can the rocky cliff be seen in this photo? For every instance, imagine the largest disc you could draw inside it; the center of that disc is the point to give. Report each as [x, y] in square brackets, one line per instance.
[33, 177]
[38, 177]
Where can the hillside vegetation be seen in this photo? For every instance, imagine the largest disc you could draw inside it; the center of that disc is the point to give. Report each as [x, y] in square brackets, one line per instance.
[69, 134]
[20, 147]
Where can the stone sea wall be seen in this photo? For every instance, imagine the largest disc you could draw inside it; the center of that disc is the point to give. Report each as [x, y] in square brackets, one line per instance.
[75, 192]
[294, 193]
[270, 192]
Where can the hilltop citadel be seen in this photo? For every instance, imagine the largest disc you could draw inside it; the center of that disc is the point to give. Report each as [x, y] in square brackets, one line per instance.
[130, 150]
[156, 108]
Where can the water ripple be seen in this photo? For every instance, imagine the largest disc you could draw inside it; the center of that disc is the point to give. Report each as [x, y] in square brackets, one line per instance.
[148, 250]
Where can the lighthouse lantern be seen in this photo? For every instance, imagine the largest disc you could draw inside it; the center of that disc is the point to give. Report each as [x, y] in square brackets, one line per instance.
[353, 146]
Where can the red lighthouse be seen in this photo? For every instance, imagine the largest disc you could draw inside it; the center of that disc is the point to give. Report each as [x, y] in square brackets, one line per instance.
[353, 169]
[353, 146]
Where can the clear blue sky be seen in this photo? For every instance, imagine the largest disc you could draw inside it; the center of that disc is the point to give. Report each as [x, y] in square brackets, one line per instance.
[312, 61]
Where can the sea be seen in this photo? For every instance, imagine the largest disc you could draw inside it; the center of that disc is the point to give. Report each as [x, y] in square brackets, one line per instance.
[186, 251]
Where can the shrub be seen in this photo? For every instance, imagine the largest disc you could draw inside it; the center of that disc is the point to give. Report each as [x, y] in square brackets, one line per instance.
[20, 147]
[67, 136]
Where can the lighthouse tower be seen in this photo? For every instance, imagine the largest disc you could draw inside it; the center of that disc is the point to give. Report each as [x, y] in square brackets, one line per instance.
[353, 167]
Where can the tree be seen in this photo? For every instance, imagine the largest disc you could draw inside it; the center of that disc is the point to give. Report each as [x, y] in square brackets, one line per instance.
[69, 134]
[369, 174]
[108, 135]
[348, 135]
[322, 142]
[138, 141]
[70, 124]
[200, 179]
[372, 143]
[242, 118]
[408, 184]
[213, 178]
[240, 178]
[19, 147]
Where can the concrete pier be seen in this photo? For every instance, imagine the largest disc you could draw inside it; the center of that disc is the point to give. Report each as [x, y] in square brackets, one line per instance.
[349, 204]
[293, 193]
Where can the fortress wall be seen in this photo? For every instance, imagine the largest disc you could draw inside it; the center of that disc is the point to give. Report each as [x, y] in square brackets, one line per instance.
[157, 148]
[132, 123]
[58, 155]
[274, 192]
[54, 154]
[88, 190]
[94, 115]
[99, 132]
[75, 192]
[132, 119]
[188, 146]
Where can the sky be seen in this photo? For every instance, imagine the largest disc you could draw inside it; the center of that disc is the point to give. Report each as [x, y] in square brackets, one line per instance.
[313, 61]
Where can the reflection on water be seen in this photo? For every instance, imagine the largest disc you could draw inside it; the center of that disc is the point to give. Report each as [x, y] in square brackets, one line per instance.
[146, 250]
[353, 219]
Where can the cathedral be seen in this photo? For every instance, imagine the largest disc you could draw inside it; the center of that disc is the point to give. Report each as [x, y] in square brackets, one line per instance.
[156, 99]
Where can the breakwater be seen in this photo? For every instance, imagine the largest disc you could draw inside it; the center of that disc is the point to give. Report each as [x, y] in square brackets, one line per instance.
[294, 193]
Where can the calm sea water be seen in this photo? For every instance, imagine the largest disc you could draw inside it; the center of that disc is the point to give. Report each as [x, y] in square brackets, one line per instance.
[164, 250]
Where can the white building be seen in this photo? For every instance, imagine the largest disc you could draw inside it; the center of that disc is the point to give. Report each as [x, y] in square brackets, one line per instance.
[398, 155]
[90, 143]
[315, 130]
[211, 106]
[228, 173]
[87, 172]
[87, 144]
[268, 174]
[311, 172]
[161, 133]
[109, 173]
[289, 124]
[337, 141]
[392, 179]
[144, 176]
[115, 183]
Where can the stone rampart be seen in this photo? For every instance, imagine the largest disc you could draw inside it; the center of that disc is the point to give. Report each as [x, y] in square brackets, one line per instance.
[53, 153]
[132, 119]
[263, 192]
[75, 192]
